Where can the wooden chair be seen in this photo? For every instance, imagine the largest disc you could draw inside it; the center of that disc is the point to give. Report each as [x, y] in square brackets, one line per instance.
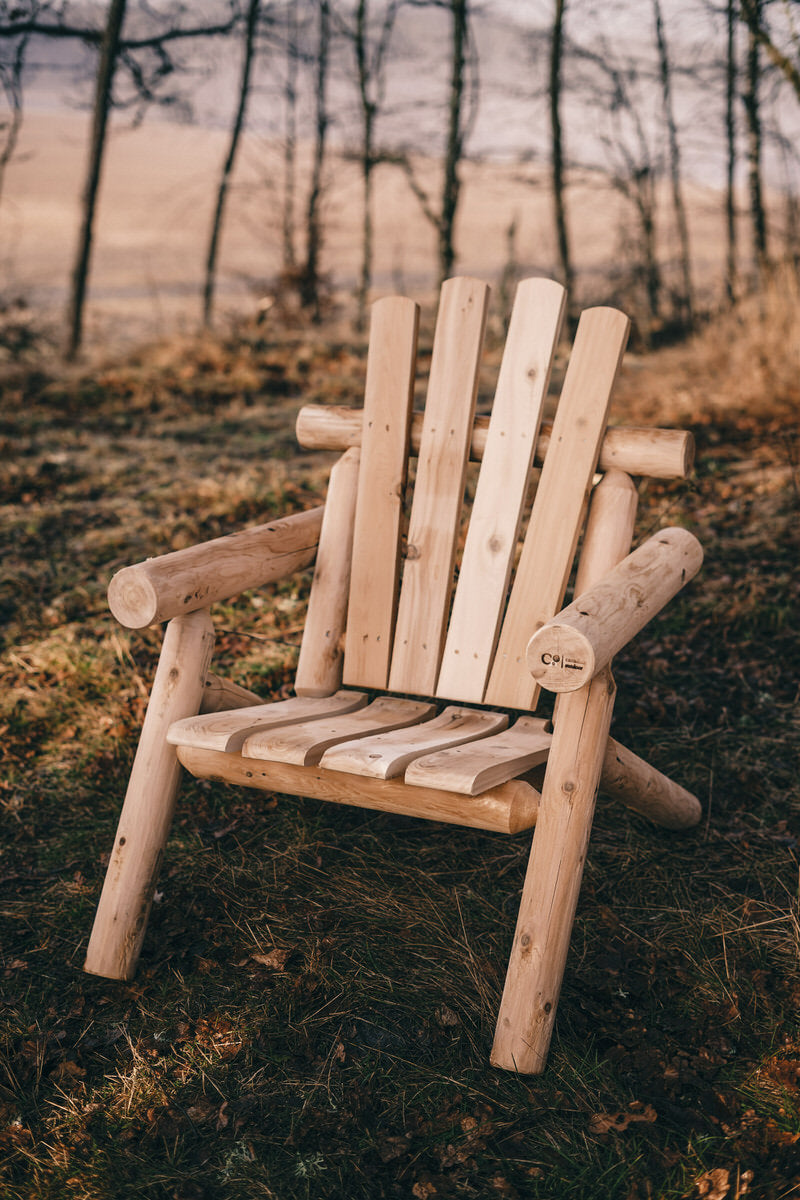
[416, 694]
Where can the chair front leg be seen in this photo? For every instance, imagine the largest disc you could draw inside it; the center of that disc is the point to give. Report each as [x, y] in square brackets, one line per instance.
[127, 895]
[552, 883]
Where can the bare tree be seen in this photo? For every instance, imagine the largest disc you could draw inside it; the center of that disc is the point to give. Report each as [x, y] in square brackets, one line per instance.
[290, 138]
[370, 55]
[310, 272]
[11, 72]
[463, 57]
[632, 166]
[665, 74]
[730, 147]
[147, 62]
[230, 158]
[752, 106]
[754, 15]
[102, 104]
[455, 138]
[556, 143]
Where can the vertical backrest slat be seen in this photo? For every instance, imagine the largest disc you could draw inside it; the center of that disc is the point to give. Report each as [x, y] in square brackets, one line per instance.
[502, 485]
[388, 403]
[551, 538]
[439, 488]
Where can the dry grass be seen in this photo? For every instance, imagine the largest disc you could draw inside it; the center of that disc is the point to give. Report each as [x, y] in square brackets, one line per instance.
[315, 1001]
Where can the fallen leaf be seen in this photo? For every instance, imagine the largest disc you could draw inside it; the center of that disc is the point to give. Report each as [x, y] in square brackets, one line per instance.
[713, 1185]
[275, 959]
[619, 1121]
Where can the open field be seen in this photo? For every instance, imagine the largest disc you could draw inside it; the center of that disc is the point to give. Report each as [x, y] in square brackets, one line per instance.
[314, 1007]
[155, 210]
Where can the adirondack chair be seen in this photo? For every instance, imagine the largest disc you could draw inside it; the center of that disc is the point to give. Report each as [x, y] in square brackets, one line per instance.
[412, 694]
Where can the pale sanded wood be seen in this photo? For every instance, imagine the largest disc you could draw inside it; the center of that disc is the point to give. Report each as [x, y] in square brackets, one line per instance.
[387, 755]
[221, 694]
[550, 540]
[439, 487]
[509, 808]
[658, 453]
[607, 538]
[374, 581]
[584, 637]
[197, 577]
[228, 730]
[633, 782]
[502, 487]
[476, 766]
[127, 895]
[305, 743]
[550, 893]
[553, 879]
[319, 667]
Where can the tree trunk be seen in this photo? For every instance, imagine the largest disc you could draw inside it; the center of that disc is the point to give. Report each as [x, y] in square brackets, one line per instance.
[455, 137]
[102, 104]
[652, 273]
[290, 140]
[227, 168]
[11, 79]
[309, 280]
[687, 298]
[730, 145]
[557, 175]
[367, 162]
[752, 105]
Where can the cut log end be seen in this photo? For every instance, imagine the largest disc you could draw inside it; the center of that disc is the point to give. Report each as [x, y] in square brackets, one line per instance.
[132, 598]
[561, 659]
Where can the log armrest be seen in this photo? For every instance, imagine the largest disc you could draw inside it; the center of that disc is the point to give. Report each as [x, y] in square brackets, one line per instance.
[187, 580]
[568, 651]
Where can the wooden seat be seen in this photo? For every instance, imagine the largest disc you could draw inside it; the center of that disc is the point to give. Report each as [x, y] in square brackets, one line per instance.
[427, 643]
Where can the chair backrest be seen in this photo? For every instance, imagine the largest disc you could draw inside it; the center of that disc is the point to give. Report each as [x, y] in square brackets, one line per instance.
[411, 627]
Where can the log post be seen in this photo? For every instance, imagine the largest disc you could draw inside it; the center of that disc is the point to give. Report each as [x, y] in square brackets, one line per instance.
[127, 894]
[553, 879]
[582, 721]
[636, 784]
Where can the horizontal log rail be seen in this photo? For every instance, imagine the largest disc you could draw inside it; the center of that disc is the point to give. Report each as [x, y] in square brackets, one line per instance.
[657, 453]
[509, 808]
[582, 639]
[187, 580]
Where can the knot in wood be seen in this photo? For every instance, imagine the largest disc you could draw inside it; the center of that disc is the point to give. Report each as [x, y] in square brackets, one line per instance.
[413, 552]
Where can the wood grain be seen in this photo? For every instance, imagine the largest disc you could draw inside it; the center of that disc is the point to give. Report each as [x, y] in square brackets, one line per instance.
[584, 637]
[553, 879]
[439, 488]
[510, 808]
[195, 578]
[133, 867]
[502, 487]
[388, 754]
[227, 731]
[305, 743]
[386, 419]
[551, 537]
[319, 666]
[476, 766]
[657, 453]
